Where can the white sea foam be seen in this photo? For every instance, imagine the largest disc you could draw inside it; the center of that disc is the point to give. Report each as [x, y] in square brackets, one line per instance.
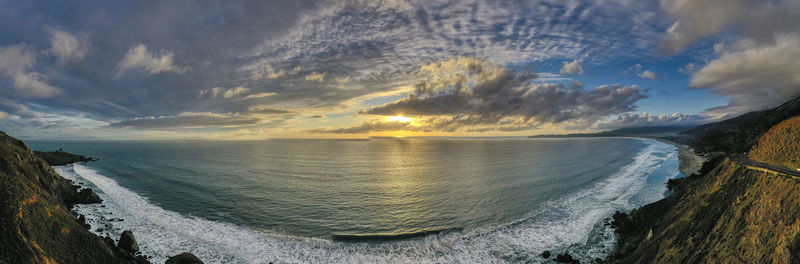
[573, 222]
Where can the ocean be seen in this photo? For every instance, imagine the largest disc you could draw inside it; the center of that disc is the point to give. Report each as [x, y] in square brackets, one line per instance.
[437, 200]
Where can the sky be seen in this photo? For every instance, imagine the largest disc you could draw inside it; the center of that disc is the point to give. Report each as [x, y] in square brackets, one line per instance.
[231, 70]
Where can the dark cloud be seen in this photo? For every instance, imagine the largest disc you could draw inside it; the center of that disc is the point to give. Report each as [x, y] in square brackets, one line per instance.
[757, 64]
[484, 89]
[188, 120]
[646, 120]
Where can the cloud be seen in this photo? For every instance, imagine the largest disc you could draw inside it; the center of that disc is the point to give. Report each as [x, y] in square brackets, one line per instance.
[261, 71]
[645, 119]
[639, 70]
[139, 57]
[317, 77]
[756, 77]
[218, 92]
[259, 95]
[574, 67]
[68, 47]
[758, 20]
[16, 63]
[3, 115]
[188, 120]
[470, 94]
[266, 110]
[647, 74]
[758, 68]
[467, 86]
[689, 68]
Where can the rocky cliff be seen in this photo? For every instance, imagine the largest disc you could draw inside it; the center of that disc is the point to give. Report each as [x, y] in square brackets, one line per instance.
[729, 214]
[36, 225]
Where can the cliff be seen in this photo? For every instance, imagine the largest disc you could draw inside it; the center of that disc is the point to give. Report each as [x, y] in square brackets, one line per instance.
[36, 225]
[729, 214]
[779, 145]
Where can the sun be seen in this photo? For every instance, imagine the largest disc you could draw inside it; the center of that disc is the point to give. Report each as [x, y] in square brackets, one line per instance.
[399, 118]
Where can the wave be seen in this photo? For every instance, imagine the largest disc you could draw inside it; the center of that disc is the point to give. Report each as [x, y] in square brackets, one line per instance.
[392, 236]
[574, 222]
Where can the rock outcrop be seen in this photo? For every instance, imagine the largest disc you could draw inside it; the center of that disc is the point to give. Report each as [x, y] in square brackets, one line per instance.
[127, 242]
[184, 258]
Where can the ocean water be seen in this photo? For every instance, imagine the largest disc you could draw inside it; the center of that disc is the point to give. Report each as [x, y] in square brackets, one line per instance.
[282, 200]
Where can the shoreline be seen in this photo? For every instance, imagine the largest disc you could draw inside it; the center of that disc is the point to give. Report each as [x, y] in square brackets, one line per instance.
[690, 162]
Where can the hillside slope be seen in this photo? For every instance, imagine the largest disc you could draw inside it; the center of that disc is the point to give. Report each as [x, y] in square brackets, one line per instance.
[731, 214]
[780, 145]
[35, 223]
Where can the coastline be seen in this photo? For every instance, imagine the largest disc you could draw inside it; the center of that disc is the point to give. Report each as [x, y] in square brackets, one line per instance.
[690, 162]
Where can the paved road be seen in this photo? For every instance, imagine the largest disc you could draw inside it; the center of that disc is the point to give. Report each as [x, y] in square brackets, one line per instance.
[744, 160]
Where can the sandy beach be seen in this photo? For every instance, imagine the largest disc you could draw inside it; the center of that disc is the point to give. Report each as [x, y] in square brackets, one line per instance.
[690, 162]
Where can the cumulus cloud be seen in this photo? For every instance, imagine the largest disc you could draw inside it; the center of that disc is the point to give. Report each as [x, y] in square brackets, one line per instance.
[645, 119]
[573, 67]
[261, 71]
[647, 74]
[188, 120]
[139, 57]
[462, 123]
[16, 63]
[639, 70]
[755, 78]
[316, 77]
[469, 94]
[68, 47]
[467, 86]
[218, 92]
[758, 69]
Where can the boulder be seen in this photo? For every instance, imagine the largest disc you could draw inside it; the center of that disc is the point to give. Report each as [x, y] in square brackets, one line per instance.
[127, 242]
[184, 258]
[546, 254]
[566, 258]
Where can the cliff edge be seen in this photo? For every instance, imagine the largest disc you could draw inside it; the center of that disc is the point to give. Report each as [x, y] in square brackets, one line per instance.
[36, 225]
[729, 213]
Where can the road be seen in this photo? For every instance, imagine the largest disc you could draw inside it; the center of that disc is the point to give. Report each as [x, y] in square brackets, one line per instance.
[746, 161]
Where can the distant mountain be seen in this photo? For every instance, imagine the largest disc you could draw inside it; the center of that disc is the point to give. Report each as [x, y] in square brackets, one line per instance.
[625, 132]
[739, 134]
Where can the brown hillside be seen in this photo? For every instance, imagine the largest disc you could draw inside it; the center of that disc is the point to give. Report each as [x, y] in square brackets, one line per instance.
[780, 145]
[35, 225]
[731, 215]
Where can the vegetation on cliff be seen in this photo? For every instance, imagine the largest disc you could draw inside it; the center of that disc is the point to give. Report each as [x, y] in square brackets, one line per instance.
[35, 223]
[780, 145]
[728, 213]
[731, 215]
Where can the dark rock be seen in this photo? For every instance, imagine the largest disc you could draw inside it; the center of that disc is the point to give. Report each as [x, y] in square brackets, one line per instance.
[546, 254]
[184, 258]
[127, 242]
[83, 196]
[566, 258]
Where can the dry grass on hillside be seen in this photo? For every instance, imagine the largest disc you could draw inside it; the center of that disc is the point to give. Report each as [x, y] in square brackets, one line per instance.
[780, 145]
